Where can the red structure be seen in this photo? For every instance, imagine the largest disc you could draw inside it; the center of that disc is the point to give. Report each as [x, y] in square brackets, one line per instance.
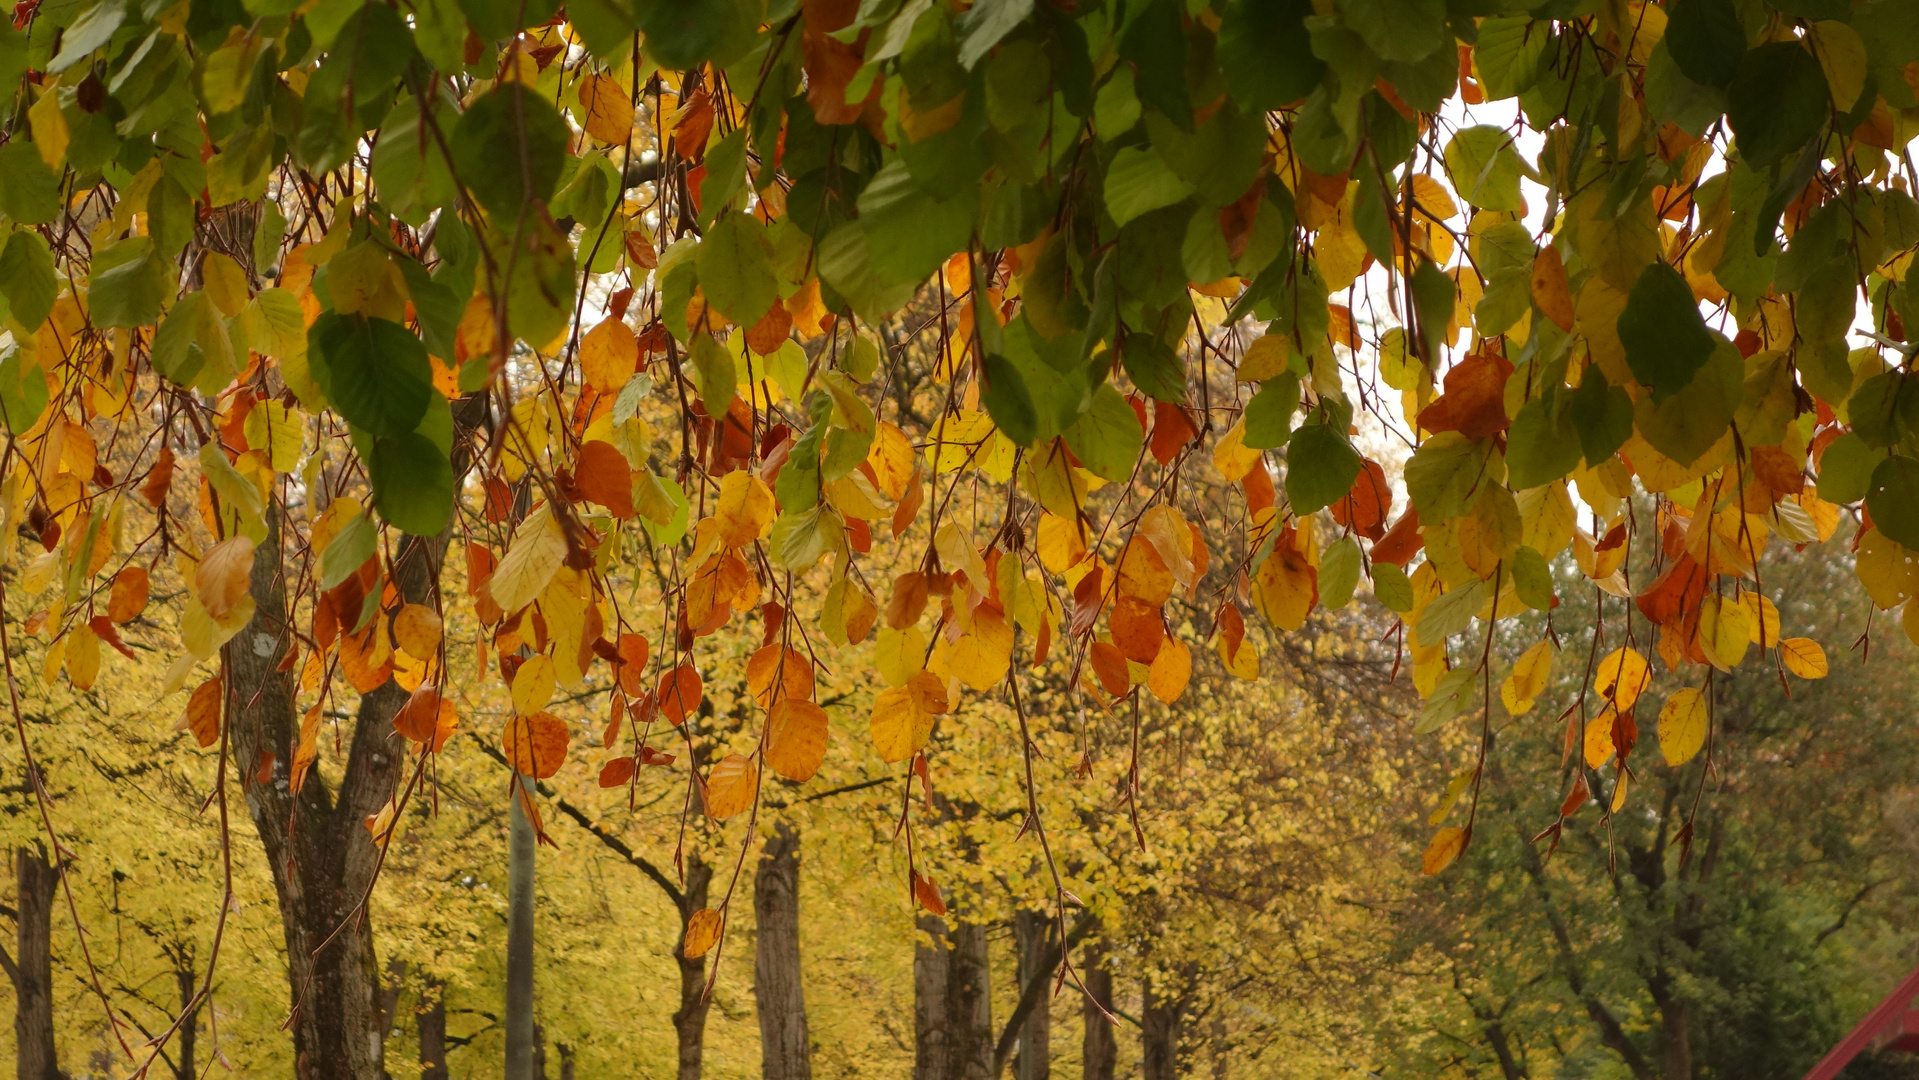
[1892, 1025]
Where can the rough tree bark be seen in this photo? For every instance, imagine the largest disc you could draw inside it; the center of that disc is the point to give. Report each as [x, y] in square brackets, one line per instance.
[184, 1068]
[432, 1022]
[930, 1022]
[1160, 1027]
[1100, 1052]
[1033, 932]
[777, 986]
[322, 857]
[969, 1004]
[689, 1022]
[32, 970]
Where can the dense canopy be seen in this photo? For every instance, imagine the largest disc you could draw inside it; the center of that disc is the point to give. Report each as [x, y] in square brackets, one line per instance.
[1018, 353]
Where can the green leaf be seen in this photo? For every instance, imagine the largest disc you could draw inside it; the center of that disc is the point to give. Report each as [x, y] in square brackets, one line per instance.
[663, 508]
[1706, 40]
[681, 34]
[1846, 469]
[1602, 416]
[129, 285]
[714, 373]
[1433, 298]
[1532, 579]
[1154, 40]
[94, 28]
[845, 263]
[1686, 423]
[1484, 168]
[1442, 474]
[799, 540]
[27, 279]
[725, 174]
[1266, 54]
[1338, 573]
[1885, 409]
[1321, 466]
[736, 269]
[412, 483]
[374, 372]
[1269, 415]
[509, 148]
[985, 24]
[23, 390]
[349, 550]
[1665, 337]
[1542, 447]
[1398, 29]
[1893, 499]
[29, 191]
[1106, 438]
[909, 233]
[1154, 368]
[1008, 401]
[409, 171]
[1392, 587]
[1138, 181]
[1776, 102]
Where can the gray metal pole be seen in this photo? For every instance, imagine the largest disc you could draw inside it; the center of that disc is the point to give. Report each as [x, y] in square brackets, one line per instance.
[519, 943]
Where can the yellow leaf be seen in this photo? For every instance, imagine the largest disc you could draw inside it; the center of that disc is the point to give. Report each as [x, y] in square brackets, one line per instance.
[1889, 571]
[899, 654]
[702, 933]
[891, 456]
[1232, 456]
[903, 716]
[732, 786]
[609, 354]
[745, 509]
[1286, 587]
[1060, 542]
[531, 560]
[49, 126]
[1528, 679]
[1621, 677]
[1762, 619]
[533, 685]
[796, 739]
[1598, 741]
[279, 430]
[83, 657]
[1842, 56]
[222, 577]
[1446, 845]
[609, 112]
[1266, 357]
[1803, 657]
[417, 629]
[981, 656]
[1682, 726]
[1619, 792]
[225, 283]
[1724, 633]
[1171, 670]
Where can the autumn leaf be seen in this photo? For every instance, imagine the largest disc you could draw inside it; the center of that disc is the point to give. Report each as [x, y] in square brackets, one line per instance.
[796, 735]
[1446, 846]
[223, 575]
[202, 714]
[903, 716]
[702, 933]
[1682, 726]
[535, 745]
[1803, 657]
[731, 787]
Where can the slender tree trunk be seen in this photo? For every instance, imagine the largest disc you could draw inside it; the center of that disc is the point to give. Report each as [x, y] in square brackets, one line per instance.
[1159, 1032]
[32, 971]
[1675, 1037]
[432, 1022]
[522, 1039]
[1033, 930]
[690, 1021]
[777, 986]
[969, 1004]
[1100, 1053]
[930, 1024]
[184, 1044]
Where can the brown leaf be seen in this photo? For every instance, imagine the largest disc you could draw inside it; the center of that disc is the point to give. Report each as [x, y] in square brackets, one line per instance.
[159, 479]
[679, 693]
[605, 477]
[1474, 403]
[617, 772]
[223, 575]
[129, 596]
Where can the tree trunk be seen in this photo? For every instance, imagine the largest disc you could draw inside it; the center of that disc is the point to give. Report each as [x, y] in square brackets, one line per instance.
[1675, 1037]
[969, 1005]
[322, 857]
[1034, 933]
[189, 986]
[777, 986]
[524, 1057]
[690, 1021]
[930, 1031]
[1100, 1052]
[1159, 1032]
[432, 1021]
[33, 970]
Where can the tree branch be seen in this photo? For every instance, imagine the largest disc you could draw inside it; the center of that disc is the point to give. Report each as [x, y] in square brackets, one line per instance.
[1034, 989]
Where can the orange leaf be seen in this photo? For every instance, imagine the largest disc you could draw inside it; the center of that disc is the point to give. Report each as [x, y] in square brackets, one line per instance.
[731, 787]
[605, 477]
[928, 894]
[1138, 630]
[223, 575]
[702, 933]
[1550, 290]
[417, 628]
[536, 745]
[782, 665]
[1474, 403]
[129, 596]
[679, 693]
[632, 650]
[616, 772]
[1446, 845]
[1109, 664]
[609, 354]
[159, 479]
[796, 739]
[202, 715]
